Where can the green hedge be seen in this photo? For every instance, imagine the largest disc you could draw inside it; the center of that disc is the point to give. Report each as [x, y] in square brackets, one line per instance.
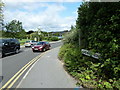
[54, 39]
[98, 26]
[51, 38]
[83, 69]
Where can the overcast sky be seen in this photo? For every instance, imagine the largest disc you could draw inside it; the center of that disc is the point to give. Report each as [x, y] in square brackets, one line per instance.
[49, 15]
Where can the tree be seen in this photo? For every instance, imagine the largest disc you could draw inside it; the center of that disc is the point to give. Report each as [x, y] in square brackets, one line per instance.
[1, 14]
[1, 17]
[98, 24]
[14, 29]
[72, 28]
[44, 33]
[21, 34]
[29, 32]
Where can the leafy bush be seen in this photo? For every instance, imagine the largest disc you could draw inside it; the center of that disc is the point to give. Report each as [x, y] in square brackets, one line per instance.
[71, 37]
[53, 39]
[45, 38]
[99, 32]
[83, 69]
[72, 57]
[63, 50]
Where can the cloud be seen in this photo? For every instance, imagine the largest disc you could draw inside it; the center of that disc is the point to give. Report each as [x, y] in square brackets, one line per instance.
[34, 15]
[42, 0]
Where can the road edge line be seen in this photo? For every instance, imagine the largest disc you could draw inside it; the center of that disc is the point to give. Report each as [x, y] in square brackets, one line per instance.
[32, 67]
[15, 75]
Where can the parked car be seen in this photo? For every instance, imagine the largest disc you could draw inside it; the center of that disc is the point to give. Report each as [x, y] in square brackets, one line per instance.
[8, 46]
[41, 46]
[30, 43]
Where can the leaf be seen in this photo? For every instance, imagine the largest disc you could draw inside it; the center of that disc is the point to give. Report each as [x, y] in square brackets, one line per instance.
[88, 77]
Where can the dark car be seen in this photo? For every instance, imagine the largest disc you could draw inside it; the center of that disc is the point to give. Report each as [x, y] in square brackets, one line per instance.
[8, 46]
[41, 46]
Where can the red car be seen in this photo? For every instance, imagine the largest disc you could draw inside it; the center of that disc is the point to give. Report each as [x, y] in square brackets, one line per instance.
[41, 46]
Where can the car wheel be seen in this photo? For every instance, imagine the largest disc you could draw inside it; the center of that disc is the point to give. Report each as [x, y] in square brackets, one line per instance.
[33, 50]
[17, 51]
[44, 49]
[49, 48]
[31, 45]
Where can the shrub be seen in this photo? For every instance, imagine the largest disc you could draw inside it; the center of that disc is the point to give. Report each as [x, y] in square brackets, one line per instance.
[84, 69]
[54, 39]
[71, 37]
[99, 31]
[72, 59]
[45, 38]
[63, 50]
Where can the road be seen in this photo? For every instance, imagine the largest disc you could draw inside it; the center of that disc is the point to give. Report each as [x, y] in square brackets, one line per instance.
[48, 72]
[11, 64]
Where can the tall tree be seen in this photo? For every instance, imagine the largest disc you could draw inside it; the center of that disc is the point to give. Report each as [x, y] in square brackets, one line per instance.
[1, 14]
[98, 24]
[1, 17]
[14, 29]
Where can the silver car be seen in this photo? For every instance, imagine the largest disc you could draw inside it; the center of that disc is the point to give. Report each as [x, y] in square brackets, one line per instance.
[30, 43]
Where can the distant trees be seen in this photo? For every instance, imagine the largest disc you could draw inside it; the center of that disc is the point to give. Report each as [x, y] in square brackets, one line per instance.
[30, 32]
[35, 35]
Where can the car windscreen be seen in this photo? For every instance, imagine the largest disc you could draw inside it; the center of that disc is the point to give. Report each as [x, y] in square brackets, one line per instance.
[34, 41]
[40, 43]
[27, 41]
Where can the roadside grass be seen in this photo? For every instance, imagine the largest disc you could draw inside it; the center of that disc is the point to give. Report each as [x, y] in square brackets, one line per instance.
[22, 42]
[46, 40]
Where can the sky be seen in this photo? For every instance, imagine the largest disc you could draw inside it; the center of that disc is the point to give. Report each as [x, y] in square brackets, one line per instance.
[48, 15]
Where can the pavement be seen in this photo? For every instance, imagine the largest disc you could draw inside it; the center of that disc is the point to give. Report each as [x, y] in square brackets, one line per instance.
[47, 72]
